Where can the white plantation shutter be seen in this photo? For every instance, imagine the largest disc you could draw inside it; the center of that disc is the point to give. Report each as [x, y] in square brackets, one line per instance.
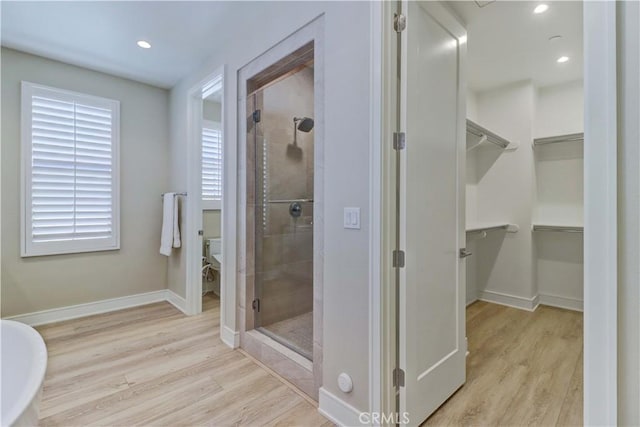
[70, 164]
[211, 165]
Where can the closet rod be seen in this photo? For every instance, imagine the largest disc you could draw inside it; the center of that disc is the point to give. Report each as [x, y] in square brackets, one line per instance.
[176, 194]
[480, 132]
[488, 228]
[557, 228]
[572, 137]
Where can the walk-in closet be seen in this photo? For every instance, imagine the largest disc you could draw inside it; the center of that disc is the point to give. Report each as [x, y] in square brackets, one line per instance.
[524, 214]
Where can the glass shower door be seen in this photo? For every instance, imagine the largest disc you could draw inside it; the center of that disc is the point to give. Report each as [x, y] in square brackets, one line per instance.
[284, 149]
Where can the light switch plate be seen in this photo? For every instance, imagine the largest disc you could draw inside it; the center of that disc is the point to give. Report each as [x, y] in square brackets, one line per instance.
[352, 218]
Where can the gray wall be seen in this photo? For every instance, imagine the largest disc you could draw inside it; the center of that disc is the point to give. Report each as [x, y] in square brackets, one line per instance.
[40, 283]
[211, 224]
[628, 213]
[211, 110]
[347, 154]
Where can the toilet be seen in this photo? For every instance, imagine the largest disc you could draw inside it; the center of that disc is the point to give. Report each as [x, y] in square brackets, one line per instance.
[214, 257]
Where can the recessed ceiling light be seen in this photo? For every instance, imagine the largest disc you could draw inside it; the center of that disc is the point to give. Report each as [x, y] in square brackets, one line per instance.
[562, 59]
[541, 8]
[144, 44]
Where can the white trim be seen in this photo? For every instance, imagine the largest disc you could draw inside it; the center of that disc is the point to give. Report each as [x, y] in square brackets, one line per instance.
[337, 410]
[193, 217]
[230, 337]
[514, 301]
[600, 214]
[28, 247]
[176, 300]
[388, 328]
[194, 206]
[375, 196]
[97, 307]
[560, 302]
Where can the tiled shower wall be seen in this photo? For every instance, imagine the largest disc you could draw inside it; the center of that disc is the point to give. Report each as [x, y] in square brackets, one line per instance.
[284, 171]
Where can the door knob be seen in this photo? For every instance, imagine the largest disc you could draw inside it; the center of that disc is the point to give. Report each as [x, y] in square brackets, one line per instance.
[465, 253]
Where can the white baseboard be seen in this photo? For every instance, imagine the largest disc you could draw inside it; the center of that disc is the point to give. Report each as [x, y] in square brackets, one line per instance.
[176, 300]
[230, 337]
[514, 301]
[337, 410]
[472, 296]
[82, 310]
[561, 302]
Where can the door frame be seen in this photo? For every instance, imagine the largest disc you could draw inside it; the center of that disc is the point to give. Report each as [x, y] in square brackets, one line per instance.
[193, 212]
[600, 237]
[600, 214]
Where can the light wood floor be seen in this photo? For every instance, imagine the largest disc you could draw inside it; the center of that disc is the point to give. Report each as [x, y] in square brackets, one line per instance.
[152, 365]
[523, 369]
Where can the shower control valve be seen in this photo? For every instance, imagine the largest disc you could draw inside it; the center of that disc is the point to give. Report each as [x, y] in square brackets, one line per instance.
[295, 209]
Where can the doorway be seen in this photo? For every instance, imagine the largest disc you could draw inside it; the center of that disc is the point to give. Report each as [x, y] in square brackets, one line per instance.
[204, 241]
[280, 207]
[543, 235]
[282, 140]
[212, 162]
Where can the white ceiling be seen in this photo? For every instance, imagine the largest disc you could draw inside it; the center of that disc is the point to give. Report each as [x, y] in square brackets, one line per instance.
[507, 42]
[103, 35]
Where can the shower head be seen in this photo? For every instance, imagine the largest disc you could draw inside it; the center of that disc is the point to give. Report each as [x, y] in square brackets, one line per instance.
[304, 124]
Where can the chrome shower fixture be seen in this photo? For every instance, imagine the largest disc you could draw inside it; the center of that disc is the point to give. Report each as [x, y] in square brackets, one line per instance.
[304, 124]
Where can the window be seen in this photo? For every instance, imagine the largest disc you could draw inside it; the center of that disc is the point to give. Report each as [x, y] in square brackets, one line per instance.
[70, 182]
[211, 165]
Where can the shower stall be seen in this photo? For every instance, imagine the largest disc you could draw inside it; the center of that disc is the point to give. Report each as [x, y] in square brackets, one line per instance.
[280, 139]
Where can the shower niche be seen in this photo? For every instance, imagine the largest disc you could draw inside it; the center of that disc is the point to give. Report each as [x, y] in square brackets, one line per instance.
[281, 277]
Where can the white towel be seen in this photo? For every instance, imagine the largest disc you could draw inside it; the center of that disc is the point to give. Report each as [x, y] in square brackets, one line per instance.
[176, 225]
[170, 236]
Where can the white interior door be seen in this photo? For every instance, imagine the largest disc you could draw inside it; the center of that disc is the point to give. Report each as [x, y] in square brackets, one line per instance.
[432, 285]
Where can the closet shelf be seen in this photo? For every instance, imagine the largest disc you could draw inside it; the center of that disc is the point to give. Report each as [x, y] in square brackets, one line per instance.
[572, 137]
[558, 228]
[480, 228]
[478, 135]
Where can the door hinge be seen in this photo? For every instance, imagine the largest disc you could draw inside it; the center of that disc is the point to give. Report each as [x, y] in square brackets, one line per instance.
[399, 140]
[398, 377]
[256, 116]
[200, 233]
[398, 259]
[399, 23]
[256, 305]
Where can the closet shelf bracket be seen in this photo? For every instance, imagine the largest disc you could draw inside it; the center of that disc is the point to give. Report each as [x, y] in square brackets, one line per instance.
[480, 231]
[478, 135]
